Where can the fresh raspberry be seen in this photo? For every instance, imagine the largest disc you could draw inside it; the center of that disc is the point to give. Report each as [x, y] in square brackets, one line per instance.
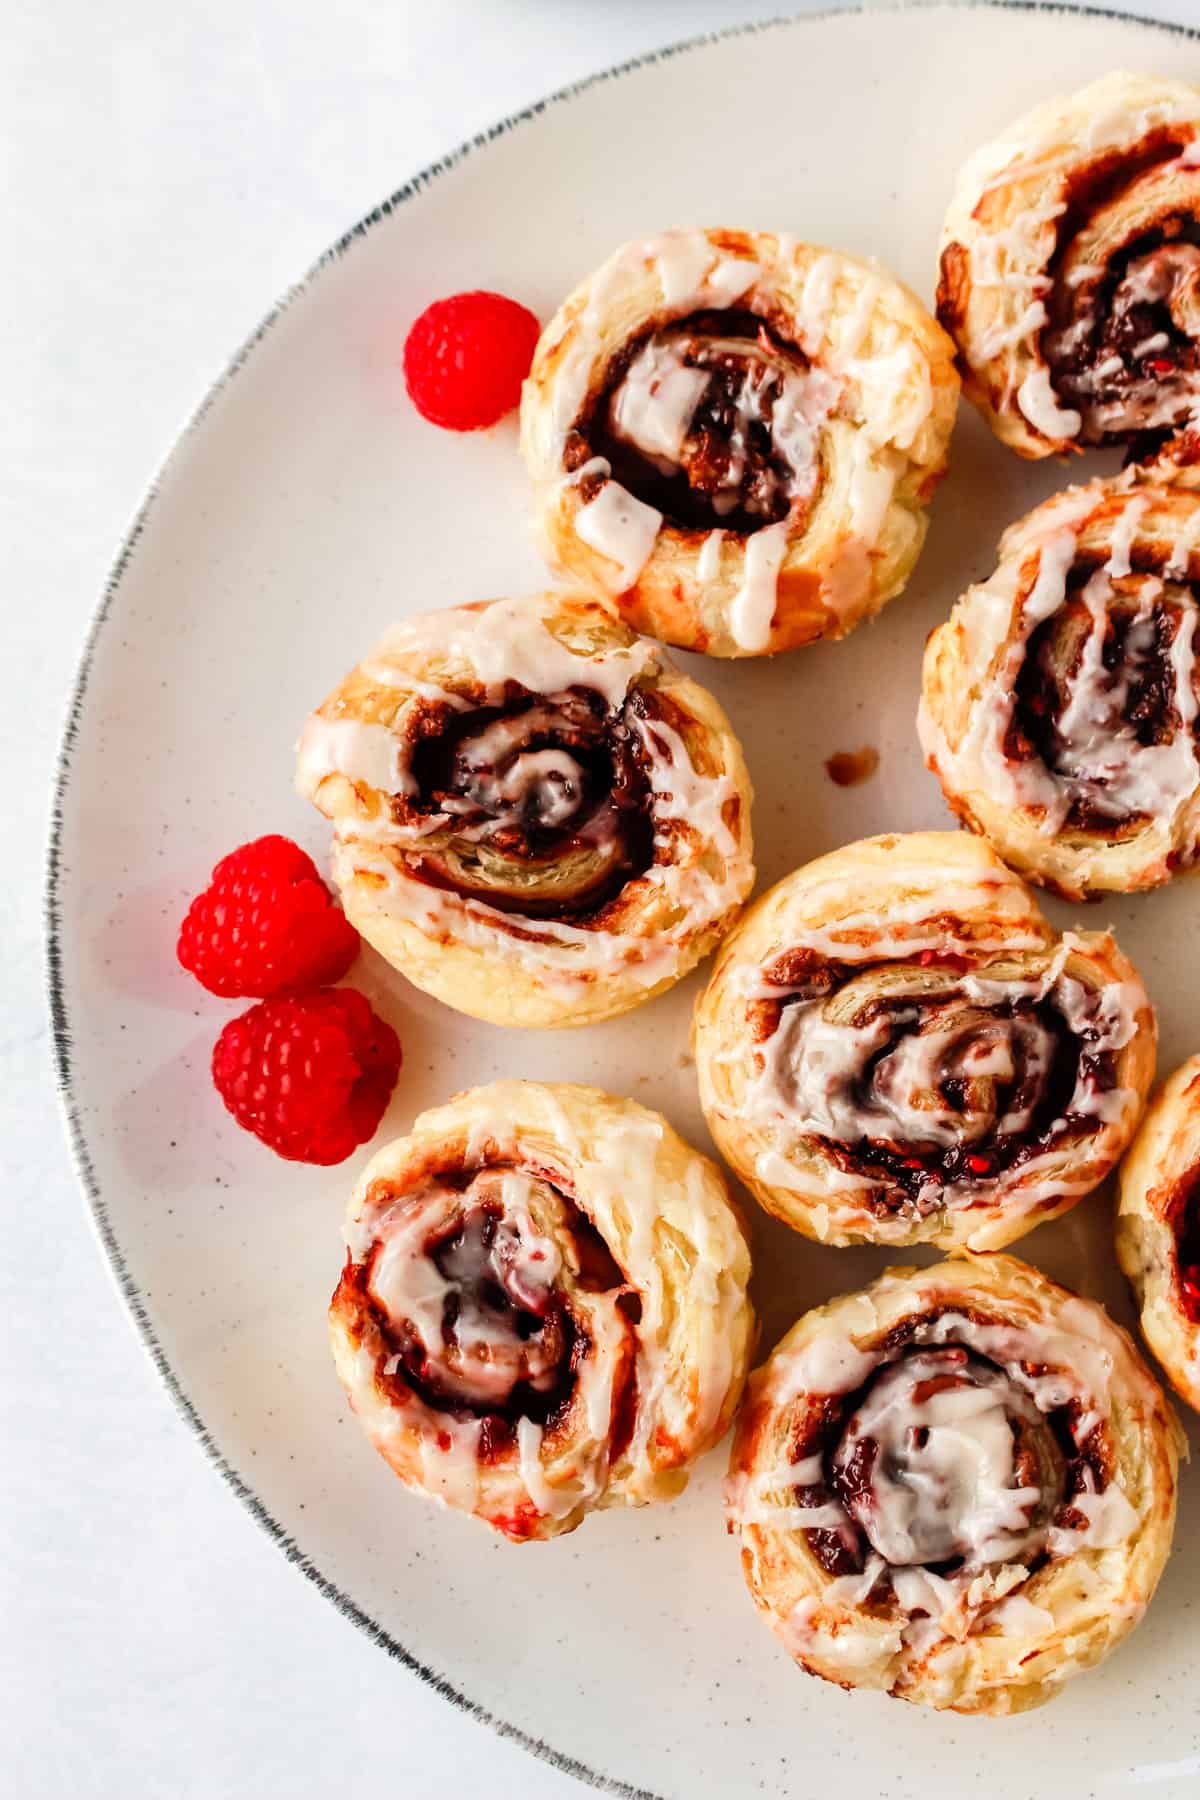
[466, 357]
[265, 924]
[311, 1075]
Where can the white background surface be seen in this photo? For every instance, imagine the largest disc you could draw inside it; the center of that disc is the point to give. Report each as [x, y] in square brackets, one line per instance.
[168, 171]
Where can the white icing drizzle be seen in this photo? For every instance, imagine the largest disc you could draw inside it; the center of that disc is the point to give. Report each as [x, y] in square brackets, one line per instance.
[653, 406]
[502, 641]
[708, 564]
[754, 604]
[363, 753]
[1038, 401]
[621, 527]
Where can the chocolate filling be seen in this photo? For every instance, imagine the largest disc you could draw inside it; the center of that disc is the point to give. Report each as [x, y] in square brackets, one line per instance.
[558, 782]
[730, 474]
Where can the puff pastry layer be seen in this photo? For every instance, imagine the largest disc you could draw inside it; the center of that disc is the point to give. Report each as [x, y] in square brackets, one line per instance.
[735, 435]
[895, 1047]
[957, 1486]
[539, 819]
[543, 1308]
[1158, 1228]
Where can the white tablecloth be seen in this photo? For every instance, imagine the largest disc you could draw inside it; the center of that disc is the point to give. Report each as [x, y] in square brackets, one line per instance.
[170, 169]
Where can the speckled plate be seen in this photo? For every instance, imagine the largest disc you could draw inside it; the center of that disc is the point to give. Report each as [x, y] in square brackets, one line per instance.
[302, 511]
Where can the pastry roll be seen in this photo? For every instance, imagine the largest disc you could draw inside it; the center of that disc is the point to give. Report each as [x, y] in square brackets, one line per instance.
[957, 1486]
[1070, 268]
[543, 1309]
[538, 819]
[735, 436]
[1060, 699]
[896, 1048]
[1158, 1228]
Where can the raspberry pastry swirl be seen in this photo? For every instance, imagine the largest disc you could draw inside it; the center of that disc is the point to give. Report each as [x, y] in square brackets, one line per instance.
[1061, 699]
[543, 1309]
[735, 435]
[539, 819]
[1070, 268]
[957, 1486]
[896, 1048]
[1158, 1228]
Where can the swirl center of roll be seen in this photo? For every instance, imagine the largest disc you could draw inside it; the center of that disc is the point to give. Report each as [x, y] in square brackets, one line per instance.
[540, 807]
[946, 1459]
[1106, 701]
[477, 1317]
[715, 421]
[940, 1077]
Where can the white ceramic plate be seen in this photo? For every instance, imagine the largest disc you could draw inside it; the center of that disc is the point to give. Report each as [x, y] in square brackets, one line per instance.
[306, 507]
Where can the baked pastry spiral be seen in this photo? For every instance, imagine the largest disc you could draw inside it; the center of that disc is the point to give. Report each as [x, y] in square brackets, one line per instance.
[539, 819]
[543, 1308]
[896, 1048]
[1158, 1228]
[957, 1486]
[1070, 268]
[1060, 700]
[735, 436]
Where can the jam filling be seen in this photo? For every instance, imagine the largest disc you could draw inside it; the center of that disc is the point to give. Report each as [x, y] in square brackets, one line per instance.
[1185, 1219]
[887, 1459]
[1134, 697]
[1124, 349]
[720, 459]
[557, 782]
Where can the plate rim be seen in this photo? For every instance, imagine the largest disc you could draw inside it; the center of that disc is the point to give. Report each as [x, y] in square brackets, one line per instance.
[62, 1040]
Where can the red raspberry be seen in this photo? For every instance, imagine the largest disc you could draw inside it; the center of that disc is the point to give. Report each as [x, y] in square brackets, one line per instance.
[466, 357]
[265, 924]
[310, 1076]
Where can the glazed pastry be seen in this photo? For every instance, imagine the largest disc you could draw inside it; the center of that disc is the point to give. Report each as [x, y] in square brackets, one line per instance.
[1060, 699]
[896, 1048]
[539, 819]
[735, 435]
[543, 1309]
[1070, 268]
[957, 1486]
[1158, 1228]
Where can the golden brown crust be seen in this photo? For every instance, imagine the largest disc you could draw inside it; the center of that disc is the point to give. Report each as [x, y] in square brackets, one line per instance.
[876, 376]
[539, 819]
[886, 1041]
[622, 1261]
[1079, 1555]
[1158, 1211]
